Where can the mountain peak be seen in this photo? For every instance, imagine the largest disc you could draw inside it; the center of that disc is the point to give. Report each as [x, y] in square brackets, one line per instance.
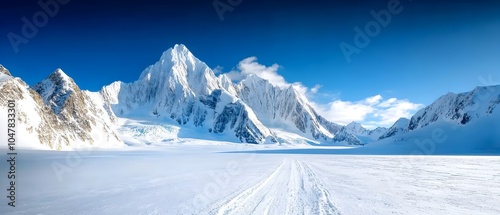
[4, 70]
[252, 79]
[56, 89]
[356, 128]
[59, 77]
[181, 65]
[180, 55]
[177, 51]
[354, 124]
[399, 127]
[402, 120]
[180, 48]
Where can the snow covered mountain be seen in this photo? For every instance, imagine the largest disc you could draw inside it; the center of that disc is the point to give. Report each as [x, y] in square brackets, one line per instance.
[399, 127]
[182, 88]
[457, 111]
[282, 108]
[344, 137]
[180, 97]
[459, 108]
[179, 94]
[455, 123]
[56, 114]
[355, 134]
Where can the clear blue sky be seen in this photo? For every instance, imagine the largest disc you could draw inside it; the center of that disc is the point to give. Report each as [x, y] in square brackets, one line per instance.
[426, 50]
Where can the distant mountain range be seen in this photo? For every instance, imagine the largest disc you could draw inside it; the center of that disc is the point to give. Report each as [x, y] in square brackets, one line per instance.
[180, 97]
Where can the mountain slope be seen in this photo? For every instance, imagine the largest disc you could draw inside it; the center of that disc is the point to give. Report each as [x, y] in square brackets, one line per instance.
[282, 107]
[459, 108]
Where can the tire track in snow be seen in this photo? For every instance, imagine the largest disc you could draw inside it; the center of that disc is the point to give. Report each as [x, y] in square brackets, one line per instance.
[324, 203]
[292, 188]
[258, 197]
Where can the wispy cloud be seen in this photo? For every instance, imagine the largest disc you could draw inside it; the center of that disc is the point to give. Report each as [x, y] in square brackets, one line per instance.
[218, 69]
[249, 66]
[316, 88]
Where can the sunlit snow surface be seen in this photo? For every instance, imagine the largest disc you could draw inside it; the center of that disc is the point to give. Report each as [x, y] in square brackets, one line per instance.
[225, 178]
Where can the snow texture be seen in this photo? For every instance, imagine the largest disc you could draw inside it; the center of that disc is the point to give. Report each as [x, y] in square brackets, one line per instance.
[177, 179]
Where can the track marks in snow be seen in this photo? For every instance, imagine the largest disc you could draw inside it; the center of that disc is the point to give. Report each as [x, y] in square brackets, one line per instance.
[292, 188]
[321, 196]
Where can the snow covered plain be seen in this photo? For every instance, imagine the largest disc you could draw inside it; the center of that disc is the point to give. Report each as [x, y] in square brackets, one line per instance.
[228, 178]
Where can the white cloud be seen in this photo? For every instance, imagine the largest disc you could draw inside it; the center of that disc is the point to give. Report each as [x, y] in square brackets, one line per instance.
[373, 100]
[218, 69]
[315, 89]
[343, 112]
[303, 90]
[250, 66]
[393, 109]
[371, 112]
[235, 76]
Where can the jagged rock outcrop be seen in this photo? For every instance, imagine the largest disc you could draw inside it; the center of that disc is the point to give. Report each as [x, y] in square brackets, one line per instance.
[76, 111]
[61, 117]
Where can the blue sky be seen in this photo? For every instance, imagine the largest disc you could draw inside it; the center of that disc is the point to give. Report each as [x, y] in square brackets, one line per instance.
[425, 51]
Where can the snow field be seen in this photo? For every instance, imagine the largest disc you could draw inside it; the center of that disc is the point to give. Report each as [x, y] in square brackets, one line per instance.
[204, 179]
